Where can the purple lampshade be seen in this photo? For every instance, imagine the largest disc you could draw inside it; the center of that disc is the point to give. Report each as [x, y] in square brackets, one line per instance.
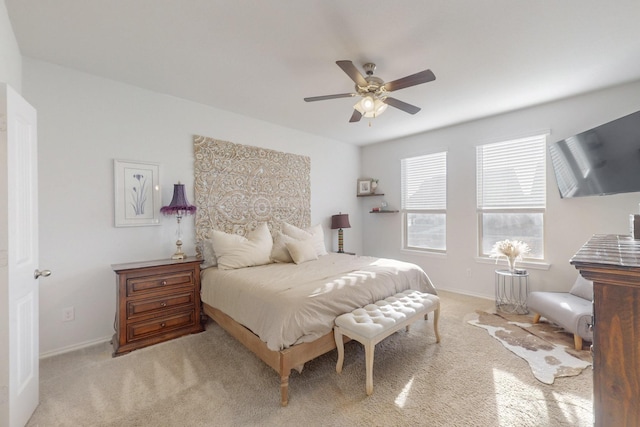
[340, 221]
[179, 204]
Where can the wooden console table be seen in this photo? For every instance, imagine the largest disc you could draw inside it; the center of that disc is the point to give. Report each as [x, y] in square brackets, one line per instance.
[612, 262]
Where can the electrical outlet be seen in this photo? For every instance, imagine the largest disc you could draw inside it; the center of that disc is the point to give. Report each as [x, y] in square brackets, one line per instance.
[68, 314]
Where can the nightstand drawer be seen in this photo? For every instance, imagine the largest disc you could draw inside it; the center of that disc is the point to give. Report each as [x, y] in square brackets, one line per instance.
[141, 330]
[150, 306]
[144, 284]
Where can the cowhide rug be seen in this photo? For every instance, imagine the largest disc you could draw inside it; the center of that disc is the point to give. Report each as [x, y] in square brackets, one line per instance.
[548, 350]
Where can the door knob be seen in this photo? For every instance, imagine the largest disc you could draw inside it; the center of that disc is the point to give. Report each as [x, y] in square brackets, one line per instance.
[43, 273]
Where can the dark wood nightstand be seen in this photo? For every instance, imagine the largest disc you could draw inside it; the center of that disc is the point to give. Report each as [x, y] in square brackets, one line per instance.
[156, 301]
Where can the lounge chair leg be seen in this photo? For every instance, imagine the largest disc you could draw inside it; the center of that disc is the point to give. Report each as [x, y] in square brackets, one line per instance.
[536, 318]
[577, 341]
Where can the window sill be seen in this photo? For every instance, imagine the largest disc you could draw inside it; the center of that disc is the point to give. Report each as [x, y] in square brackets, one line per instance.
[534, 265]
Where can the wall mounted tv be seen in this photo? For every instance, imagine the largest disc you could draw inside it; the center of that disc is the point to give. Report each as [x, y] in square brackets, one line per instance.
[603, 160]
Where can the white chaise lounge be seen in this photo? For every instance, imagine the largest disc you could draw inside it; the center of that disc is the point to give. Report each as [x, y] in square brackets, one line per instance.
[571, 310]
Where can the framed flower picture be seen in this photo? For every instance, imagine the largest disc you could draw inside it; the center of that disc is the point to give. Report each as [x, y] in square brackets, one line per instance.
[364, 187]
[137, 193]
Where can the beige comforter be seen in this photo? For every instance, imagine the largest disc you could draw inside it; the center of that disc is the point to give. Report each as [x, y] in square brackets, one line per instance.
[286, 304]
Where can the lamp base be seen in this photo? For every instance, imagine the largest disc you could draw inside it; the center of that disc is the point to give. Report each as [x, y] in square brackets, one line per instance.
[179, 254]
[340, 241]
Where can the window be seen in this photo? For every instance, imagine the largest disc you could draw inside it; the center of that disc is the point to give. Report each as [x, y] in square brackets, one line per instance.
[424, 202]
[511, 187]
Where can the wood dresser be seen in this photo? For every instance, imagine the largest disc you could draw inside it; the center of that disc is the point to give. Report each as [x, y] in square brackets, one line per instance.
[612, 262]
[156, 301]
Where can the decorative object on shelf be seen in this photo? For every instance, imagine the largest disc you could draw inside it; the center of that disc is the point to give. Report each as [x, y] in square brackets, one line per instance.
[179, 207]
[512, 250]
[364, 187]
[374, 185]
[136, 193]
[339, 222]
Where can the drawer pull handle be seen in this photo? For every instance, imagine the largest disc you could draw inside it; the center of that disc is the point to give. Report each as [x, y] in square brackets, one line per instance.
[164, 283]
[162, 325]
[163, 304]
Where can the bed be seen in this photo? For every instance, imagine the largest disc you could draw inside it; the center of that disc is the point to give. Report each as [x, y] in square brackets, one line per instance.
[251, 200]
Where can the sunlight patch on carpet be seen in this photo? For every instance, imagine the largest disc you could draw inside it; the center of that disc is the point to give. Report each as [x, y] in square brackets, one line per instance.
[402, 397]
[547, 360]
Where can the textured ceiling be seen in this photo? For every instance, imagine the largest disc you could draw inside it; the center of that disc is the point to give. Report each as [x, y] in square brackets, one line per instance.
[261, 58]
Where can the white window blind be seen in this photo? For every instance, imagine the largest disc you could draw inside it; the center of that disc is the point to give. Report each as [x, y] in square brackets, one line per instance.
[424, 182]
[511, 174]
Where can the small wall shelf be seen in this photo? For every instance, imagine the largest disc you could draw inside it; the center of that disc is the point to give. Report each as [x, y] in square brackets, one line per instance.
[369, 195]
[384, 211]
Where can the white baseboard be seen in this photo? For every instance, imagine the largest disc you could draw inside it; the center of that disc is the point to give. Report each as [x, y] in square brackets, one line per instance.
[464, 292]
[74, 347]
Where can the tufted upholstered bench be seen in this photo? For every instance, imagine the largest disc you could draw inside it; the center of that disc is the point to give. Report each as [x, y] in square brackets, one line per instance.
[374, 322]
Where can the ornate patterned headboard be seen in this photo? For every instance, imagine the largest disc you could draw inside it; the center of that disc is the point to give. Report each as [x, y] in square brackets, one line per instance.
[238, 186]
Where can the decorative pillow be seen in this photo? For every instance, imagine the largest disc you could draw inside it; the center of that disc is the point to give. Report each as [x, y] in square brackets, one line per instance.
[302, 251]
[582, 288]
[279, 252]
[208, 254]
[234, 251]
[315, 234]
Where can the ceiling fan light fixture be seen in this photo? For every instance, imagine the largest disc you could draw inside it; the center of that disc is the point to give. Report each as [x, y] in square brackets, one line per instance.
[379, 107]
[368, 104]
[374, 106]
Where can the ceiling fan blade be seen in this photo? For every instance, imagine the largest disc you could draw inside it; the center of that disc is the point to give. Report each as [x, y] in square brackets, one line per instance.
[352, 72]
[355, 117]
[408, 108]
[412, 80]
[323, 97]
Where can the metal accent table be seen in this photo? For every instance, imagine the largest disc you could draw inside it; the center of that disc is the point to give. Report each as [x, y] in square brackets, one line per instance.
[511, 291]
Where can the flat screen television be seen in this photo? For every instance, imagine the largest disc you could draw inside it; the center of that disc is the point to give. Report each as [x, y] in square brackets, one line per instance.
[600, 161]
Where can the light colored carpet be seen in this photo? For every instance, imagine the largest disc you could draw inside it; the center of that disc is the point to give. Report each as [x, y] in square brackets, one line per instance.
[548, 360]
[208, 379]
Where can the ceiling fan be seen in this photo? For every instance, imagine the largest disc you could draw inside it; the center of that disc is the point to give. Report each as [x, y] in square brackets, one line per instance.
[374, 90]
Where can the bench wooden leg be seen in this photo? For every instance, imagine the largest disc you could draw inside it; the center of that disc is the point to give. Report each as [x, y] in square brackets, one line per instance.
[436, 316]
[337, 334]
[369, 348]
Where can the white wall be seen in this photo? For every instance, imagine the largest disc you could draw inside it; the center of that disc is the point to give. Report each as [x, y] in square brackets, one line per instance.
[10, 58]
[84, 123]
[569, 222]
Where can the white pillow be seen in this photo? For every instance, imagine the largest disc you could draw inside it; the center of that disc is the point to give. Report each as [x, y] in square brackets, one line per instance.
[582, 288]
[279, 252]
[208, 254]
[315, 234]
[301, 251]
[234, 251]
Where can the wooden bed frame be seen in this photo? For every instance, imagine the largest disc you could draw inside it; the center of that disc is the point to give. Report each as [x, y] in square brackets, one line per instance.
[289, 174]
[282, 361]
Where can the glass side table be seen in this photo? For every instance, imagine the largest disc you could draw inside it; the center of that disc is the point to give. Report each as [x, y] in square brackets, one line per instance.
[512, 289]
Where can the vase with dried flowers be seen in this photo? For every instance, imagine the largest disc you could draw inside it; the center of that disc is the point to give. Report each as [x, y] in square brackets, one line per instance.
[374, 185]
[512, 250]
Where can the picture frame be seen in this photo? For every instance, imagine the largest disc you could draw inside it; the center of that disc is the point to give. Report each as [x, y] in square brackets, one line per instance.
[136, 193]
[364, 187]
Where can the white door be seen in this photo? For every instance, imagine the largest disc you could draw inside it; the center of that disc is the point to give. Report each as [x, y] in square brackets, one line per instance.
[21, 195]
